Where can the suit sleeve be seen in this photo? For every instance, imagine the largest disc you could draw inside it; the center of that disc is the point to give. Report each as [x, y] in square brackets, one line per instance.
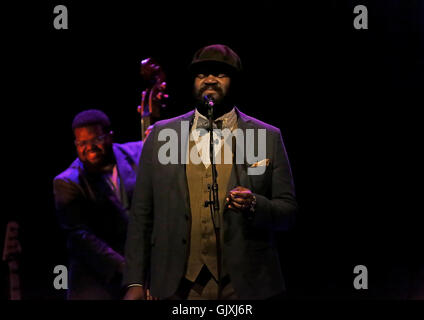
[137, 247]
[277, 212]
[82, 243]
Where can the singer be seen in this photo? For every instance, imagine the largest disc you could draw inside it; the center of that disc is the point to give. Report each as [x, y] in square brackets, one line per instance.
[175, 247]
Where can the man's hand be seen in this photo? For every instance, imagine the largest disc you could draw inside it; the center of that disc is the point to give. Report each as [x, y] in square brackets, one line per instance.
[135, 293]
[149, 296]
[138, 293]
[240, 198]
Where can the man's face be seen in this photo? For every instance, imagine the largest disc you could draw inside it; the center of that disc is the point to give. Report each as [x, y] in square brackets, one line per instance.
[93, 145]
[212, 83]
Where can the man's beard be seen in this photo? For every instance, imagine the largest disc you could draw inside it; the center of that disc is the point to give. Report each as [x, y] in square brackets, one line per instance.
[103, 163]
[222, 103]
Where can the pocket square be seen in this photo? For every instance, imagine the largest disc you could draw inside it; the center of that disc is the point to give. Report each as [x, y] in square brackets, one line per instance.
[264, 162]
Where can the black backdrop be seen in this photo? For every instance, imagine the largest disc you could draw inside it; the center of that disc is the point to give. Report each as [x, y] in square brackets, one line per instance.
[345, 100]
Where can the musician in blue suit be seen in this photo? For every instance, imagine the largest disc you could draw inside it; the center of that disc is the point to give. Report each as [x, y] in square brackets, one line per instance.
[92, 199]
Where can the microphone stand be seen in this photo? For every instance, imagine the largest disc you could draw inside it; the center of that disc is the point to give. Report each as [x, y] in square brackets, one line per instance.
[213, 193]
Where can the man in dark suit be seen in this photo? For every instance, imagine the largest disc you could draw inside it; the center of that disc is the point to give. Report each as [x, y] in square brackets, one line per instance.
[92, 198]
[175, 246]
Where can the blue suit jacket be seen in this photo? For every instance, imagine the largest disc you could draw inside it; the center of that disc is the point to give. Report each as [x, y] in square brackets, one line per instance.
[95, 221]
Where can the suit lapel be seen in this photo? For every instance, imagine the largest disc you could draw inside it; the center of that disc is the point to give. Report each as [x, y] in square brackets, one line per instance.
[183, 129]
[98, 189]
[84, 180]
[239, 175]
[127, 174]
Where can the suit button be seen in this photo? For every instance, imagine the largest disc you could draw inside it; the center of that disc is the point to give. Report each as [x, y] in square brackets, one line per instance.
[184, 241]
[186, 217]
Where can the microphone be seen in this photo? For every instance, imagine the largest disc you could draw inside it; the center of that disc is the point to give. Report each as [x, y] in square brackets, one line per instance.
[209, 100]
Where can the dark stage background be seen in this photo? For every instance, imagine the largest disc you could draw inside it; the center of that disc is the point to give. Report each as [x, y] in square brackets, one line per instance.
[345, 100]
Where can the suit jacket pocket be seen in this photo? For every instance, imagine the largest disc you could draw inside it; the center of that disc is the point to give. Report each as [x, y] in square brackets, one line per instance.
[260, 183]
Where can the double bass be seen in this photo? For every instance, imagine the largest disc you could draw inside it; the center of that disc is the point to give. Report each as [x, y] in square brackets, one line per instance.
[153, 97]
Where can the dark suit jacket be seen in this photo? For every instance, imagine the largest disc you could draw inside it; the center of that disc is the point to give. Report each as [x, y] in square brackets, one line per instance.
[95, 221]
[159, 225]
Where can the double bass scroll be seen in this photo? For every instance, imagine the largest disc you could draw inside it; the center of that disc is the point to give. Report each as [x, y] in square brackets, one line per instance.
[153, 97]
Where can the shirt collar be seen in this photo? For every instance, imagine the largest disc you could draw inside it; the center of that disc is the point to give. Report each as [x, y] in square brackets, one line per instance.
[228, 120]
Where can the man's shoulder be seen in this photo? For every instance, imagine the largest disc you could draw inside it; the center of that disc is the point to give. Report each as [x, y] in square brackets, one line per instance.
[131, 148]
[258, 124]
[71, 174]
[67, 185]
[171, 122]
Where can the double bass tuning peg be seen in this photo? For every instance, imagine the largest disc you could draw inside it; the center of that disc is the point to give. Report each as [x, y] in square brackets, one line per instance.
[161, 95]
[153, 97]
